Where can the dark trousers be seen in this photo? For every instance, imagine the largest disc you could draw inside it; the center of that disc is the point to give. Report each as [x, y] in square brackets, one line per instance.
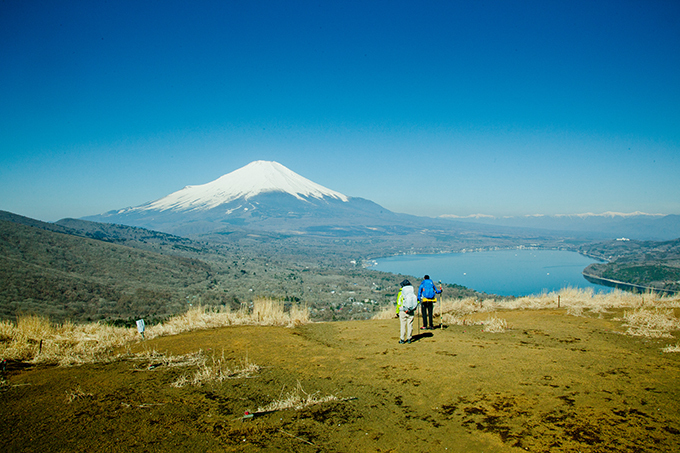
[427, 308]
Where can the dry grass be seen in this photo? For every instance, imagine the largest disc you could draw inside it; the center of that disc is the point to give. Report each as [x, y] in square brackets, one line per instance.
[216, 370]
[265, 312]
[157, 359]
[672, 348]
[575, 311]
[651, 322]
[35, 339]
[652, 315]
[296, 399]
[495, 325]
[575, 301]
[387, 312]
[452, 320]
[77, 394]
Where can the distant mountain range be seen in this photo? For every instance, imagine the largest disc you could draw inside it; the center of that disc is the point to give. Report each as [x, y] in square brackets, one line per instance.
[610, 225]
[267, 196]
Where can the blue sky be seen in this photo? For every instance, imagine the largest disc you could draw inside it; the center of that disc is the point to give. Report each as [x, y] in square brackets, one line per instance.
[428, 108]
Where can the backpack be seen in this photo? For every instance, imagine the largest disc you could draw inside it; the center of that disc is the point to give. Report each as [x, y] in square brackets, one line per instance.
[410, 302]
[428, 291]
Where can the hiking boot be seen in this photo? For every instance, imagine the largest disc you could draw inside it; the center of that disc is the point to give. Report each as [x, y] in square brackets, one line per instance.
[401, 342]
[408, 341]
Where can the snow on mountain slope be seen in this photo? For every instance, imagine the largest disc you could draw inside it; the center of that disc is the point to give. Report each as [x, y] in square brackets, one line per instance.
[255, 178]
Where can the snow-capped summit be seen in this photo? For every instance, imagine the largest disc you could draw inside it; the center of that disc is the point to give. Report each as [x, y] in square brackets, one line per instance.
[247, 182]
[262, 195]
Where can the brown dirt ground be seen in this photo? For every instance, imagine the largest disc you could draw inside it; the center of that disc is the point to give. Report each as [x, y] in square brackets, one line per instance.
[552, 382]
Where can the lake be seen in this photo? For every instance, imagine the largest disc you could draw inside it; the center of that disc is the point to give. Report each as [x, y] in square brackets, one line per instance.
[502, 272]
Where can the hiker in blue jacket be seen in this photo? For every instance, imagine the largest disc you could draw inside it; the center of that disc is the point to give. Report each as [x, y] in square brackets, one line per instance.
[427, 296]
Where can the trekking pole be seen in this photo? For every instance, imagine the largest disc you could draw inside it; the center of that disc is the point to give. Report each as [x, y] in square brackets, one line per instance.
[441, 314]
[417, 316]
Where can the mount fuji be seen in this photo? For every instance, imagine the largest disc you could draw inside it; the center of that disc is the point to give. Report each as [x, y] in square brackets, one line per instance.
[262, 195]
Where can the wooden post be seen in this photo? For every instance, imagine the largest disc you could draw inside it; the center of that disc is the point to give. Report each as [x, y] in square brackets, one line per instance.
[558, 301]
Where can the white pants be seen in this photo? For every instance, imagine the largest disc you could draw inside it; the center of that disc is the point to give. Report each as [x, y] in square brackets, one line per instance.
[406, 322]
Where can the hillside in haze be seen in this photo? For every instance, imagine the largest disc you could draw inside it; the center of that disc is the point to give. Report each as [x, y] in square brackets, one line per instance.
[609, 225]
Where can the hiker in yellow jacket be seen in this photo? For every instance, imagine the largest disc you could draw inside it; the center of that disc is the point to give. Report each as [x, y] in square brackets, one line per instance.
[407, 304]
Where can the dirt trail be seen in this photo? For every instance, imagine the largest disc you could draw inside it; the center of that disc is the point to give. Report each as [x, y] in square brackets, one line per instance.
[552, 382]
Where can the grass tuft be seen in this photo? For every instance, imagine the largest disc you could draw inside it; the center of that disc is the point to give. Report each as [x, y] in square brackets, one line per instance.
[672, 348]
[388, 312]
[575, 311]
[216, 370]
[495, 325]
[77, 394]
[296, 399]
[651, 322]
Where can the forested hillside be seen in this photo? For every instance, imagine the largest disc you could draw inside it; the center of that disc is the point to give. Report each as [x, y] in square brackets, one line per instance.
[64, 276]
[646, 264]
[87, 271]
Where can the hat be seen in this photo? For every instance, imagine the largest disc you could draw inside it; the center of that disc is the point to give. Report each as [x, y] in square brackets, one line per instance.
[405, 283]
